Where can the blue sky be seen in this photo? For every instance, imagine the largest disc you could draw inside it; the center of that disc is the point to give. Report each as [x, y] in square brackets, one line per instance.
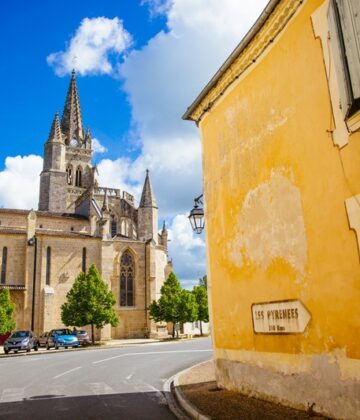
[139, 65]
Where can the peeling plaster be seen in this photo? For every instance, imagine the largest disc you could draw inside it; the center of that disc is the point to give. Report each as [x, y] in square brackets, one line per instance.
[271, 225]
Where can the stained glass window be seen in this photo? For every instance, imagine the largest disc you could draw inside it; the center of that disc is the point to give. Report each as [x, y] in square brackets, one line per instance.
[127, 279]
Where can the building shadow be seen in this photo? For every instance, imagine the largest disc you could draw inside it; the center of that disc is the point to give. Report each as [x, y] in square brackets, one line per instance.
[127, 406]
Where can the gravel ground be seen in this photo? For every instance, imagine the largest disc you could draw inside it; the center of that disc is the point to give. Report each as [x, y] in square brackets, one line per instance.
[199, 387]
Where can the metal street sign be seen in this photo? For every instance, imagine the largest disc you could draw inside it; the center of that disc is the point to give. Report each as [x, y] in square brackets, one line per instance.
[280, 317]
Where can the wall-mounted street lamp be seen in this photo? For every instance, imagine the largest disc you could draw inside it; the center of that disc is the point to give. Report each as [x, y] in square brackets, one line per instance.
[196, 215]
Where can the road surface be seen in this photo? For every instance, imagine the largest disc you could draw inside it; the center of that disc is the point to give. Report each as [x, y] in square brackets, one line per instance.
[122, 383]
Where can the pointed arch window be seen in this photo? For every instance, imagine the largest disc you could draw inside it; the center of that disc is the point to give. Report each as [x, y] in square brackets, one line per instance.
[69, 175]
[84, 260]
[78, 177]
[3, 265]
[127, 272]
[48, 266]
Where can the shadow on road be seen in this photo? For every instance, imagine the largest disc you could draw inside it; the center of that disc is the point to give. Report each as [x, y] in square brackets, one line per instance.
[142, 405]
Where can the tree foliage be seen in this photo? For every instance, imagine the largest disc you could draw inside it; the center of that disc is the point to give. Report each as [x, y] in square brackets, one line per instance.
[201, 298]
[175, 305]
[89, 302]
[203, 281]
[7, 322]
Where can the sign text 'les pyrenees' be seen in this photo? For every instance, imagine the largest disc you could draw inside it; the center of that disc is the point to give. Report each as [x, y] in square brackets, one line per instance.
[281, 317]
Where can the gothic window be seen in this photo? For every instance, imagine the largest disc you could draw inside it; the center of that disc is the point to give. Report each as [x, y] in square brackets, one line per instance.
[48, 265]
[113, 228]
[69, 174]
[84, 260]
[78, 176]
[127, 272]
[3, 265]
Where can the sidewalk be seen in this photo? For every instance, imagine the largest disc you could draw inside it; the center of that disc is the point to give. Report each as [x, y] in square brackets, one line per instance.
[197, 393]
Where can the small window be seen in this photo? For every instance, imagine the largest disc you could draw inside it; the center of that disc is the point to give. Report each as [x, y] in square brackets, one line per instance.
[3, 265]
[84, 260]
[78, 177]
[113, 227]
[344, 26]
[69, 175]
[48, 265]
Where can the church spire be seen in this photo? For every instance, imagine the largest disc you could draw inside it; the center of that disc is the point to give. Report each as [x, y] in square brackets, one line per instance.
[55, 132]
[148, 196]
[71, 122]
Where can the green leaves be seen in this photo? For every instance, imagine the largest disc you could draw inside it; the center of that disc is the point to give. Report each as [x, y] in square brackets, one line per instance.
[178, 305]
[89, 302]
[7, 322]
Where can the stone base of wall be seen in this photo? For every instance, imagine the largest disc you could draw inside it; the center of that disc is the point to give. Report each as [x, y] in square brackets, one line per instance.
[322, 389]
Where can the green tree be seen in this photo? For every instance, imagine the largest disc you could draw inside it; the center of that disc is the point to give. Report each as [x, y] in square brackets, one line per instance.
[175, 305]
[203, 281]
[201, 298]
[7, 322]
[89, 302]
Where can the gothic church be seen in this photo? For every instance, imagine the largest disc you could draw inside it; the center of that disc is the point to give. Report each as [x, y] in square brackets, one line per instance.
[79, 223]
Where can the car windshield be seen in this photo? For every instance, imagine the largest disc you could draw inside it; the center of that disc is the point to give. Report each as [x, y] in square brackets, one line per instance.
[63, 332]
[20, 334]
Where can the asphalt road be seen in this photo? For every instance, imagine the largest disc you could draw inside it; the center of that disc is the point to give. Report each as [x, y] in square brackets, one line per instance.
[122, 383]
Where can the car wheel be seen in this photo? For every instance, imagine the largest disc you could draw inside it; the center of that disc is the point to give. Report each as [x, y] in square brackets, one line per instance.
[56, 347]
[36, 348]
[47, 347]
[76, 347]
[6, 351]
[15, 351]
[66, 347]
[28, 350]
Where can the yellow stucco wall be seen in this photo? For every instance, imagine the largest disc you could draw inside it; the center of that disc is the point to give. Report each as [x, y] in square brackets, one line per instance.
[275, 187]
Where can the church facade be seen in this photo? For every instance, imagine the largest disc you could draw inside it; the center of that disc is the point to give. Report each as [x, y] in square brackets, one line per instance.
[79, 223]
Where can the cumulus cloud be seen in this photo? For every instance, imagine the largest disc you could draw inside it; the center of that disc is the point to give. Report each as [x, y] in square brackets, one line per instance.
[19, 182]
[91, 48]
[97, 146]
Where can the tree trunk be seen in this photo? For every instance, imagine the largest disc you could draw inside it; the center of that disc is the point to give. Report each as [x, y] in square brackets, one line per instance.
[92, 334]
[201, 333]
[173, 331]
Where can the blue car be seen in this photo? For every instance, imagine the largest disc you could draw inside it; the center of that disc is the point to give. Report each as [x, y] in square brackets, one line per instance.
[62, 337]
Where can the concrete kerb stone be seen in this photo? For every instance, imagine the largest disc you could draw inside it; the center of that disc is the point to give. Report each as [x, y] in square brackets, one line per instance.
[186, 405]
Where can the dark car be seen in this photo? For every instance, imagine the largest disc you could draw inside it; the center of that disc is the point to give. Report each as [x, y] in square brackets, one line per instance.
[43, 339]
[83, 337]
[62, 337]
[21, 340]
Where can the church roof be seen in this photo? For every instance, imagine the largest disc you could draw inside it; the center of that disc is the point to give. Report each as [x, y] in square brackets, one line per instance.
[55, 132]
[71, 122]
[148, 197]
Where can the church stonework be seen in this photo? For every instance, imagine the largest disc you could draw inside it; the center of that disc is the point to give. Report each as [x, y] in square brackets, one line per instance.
[79, 223]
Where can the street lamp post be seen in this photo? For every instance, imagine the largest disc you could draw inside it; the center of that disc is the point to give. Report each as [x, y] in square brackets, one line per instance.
[33, 242]
[196, 215]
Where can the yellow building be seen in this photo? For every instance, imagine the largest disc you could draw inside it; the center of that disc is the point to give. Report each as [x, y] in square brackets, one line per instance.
[281, 159]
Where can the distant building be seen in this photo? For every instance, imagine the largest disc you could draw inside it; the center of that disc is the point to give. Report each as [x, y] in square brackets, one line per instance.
[281, 156]
[79, 223]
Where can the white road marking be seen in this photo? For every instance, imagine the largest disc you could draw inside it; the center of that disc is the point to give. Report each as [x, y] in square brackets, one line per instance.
[12, 394]
[101, 388]
[65, 373]
[149, 352]
[33, 359]
[129, 376]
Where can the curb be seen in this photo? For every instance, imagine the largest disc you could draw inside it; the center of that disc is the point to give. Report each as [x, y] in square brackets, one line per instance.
[186, 405]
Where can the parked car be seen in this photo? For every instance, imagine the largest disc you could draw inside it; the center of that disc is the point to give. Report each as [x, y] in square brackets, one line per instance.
[83, 337]
[43, 339]
[62, 337]
[21, 340]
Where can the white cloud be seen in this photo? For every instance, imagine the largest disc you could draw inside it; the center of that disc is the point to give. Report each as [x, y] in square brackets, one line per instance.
[97, 147]
[158, 7]
[91, 47]
[19, 182]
